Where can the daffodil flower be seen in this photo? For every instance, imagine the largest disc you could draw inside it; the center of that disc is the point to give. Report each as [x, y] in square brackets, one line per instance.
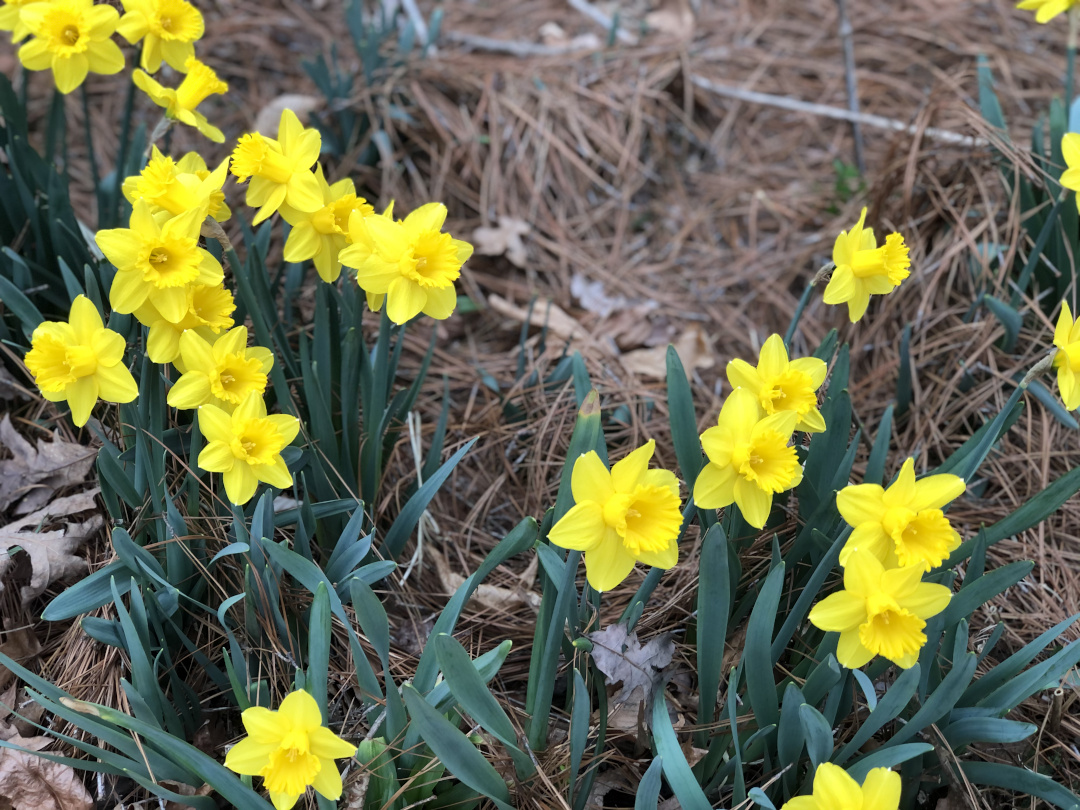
[168, 30]
[411, 263]
[834, 789]
[904, 524]
[179, 104]
[321, 235]
[864, 269]
[280, 170]
[11, 18]
[209, 312]
[628, 515]
[177, 186]
[749, 458]
[1067, 357]
[80, 361]
[880, 612]
[158, 261]
[781, 384]
[1046, 10]
[245, 446]
[221, 373]
[1070, 150]
[71, 38]
[290, 749]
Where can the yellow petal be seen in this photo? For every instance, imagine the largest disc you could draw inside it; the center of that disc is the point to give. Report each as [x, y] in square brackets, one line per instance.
[128, 292]
[440, 302]
[115, 383]
[812, 367]
[850, 651]
[715, 486]
[858, 303]
[300, 709]
[253, 407]
[429, 217]
[928, 599]
[302, 244]
[862, 574]
[216, 457]
[327, 782]
[934, 491]
[232, 342]
[773, 360]
[81, 397]
[276, 474]
[283, 801]
[839, 611]
[189, 392]
[197, 352]
[70, 71]
[902, 491]
[240, 483]
[215, 424]
[628, 473]
[754, 502]
[35, 55]
[287, 426]
[325, 744]
[249, 756]
[303, 192]
[666, 558]
[901, 582]
[607, 565]
[590, 479]
[1064, 326]
[881, 790]
[405, 299]
[861, 503]
[740, 412]
[581, 528]
[841, 286]
[741, 374]
[105, 57]
[870, 537]
[835, 789]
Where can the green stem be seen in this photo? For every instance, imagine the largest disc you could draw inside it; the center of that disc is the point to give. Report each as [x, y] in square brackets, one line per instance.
[803, 301]
[121, 157]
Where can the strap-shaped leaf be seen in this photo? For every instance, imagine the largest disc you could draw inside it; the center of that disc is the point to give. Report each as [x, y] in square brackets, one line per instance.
[1021, 780]
[677, 770]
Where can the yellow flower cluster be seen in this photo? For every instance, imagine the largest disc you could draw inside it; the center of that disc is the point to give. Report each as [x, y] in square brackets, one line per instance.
[898, 534]
[834, 789]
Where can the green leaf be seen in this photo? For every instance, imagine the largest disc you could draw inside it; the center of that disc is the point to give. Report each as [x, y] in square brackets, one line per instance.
[988, 100]
[472, 694]
[1053, 404]
[760, 684]
[1009, 318]
[969, 730]
[993, 774]
[87, 594]
[584, 438]
[714, 606]
[14, 300]
[895, 700]
[887, 758]
[455, 751]
[683, 420]
[406, 521]
[648, 791]
[319, 639]
[1044, 675]
[875, 464]
[970, 596]
[940, 702]
[580, 716]
[819, 739]
[676, 769]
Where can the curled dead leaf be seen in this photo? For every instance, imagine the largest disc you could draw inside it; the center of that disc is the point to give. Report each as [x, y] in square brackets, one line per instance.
[268, 118]
[28, 782]
[492, 597]
[692, 346]
[622, 658]
[547, 314]
[504, 239]
[33, 474]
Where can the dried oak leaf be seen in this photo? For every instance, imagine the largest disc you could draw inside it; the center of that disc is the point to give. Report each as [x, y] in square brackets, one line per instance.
[28, 782]
[623, 658]
[51, 552]
[34, 474]
[505, 239]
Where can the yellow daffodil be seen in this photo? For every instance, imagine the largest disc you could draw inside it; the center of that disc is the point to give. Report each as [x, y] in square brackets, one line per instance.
[864, 269]
[168, 29]
[1067, 357]
[209, 312]
[80, 361]
[879, 612]
[221, 373]
[749, 458]
[781, 384]
[628, 515]
[290, 749]
[179, 186]
[11, 18]
[320, 235]
[71, 38]
[834, 789]
[412, 263]
[280, 170]
[1046, 10]
[245, 447]
[199, 83]
[158, 262]
[1070, 150]
[902, 525]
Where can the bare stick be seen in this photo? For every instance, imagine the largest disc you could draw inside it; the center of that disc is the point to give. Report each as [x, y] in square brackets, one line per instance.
[852, 86]
[870, 120]
[600, 18]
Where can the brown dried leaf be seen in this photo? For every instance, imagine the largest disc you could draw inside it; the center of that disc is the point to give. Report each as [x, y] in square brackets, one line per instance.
[505, 239]
[28, 782]
[693, 349]
[492, 597]
[50, 552]
[557, 321]
[22, 647]
[623, 658]
[34, 475]
[268, 118]
[674, 17]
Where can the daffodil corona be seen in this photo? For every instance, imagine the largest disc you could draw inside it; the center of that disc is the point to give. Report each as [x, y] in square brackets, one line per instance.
[80, 361]
[209, 312]
[280, 170]
[864, 269]
[177, 186]
[158, 262]
[71, 38]
[630, 514]
[200, 82]
[168, 30]
[879, 612]
[749, 458]
[834, 789]
[321, 235]
[245, 446]
[902, 525]
[290, 749]
[781, 384]
[411, 263]
[222, 373]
